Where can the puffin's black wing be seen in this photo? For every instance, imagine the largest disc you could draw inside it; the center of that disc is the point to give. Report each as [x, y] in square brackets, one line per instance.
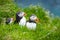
[17, 18]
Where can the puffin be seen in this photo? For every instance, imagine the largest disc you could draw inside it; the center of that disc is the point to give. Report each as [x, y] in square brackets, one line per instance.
[9, 20]
[32, 22]
[20, 18]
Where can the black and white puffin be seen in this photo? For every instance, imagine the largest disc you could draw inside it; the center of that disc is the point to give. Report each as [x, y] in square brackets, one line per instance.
[31, 23]
[9, 20]
[20, 18]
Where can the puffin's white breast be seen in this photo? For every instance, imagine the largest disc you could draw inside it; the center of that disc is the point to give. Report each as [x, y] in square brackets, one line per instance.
[31, 25]
[11, 21]
[22, 21]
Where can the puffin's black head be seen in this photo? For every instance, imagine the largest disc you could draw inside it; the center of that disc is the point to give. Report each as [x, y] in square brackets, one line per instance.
[19, 16]
[9, 20]
[33, 18]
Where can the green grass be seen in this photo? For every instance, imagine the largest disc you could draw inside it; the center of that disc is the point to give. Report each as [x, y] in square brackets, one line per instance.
[15, 32]
[42, 32]
[47, 29]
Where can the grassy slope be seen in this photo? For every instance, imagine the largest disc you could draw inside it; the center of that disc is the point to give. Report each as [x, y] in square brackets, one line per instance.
[47, 29]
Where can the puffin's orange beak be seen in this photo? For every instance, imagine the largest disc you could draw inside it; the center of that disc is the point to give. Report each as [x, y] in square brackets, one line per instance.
[25, 14]
[37, 20]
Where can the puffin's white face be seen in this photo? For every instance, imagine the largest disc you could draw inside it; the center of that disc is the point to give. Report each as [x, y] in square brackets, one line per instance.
[34, 18]
[12, 19]
[21, 14]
